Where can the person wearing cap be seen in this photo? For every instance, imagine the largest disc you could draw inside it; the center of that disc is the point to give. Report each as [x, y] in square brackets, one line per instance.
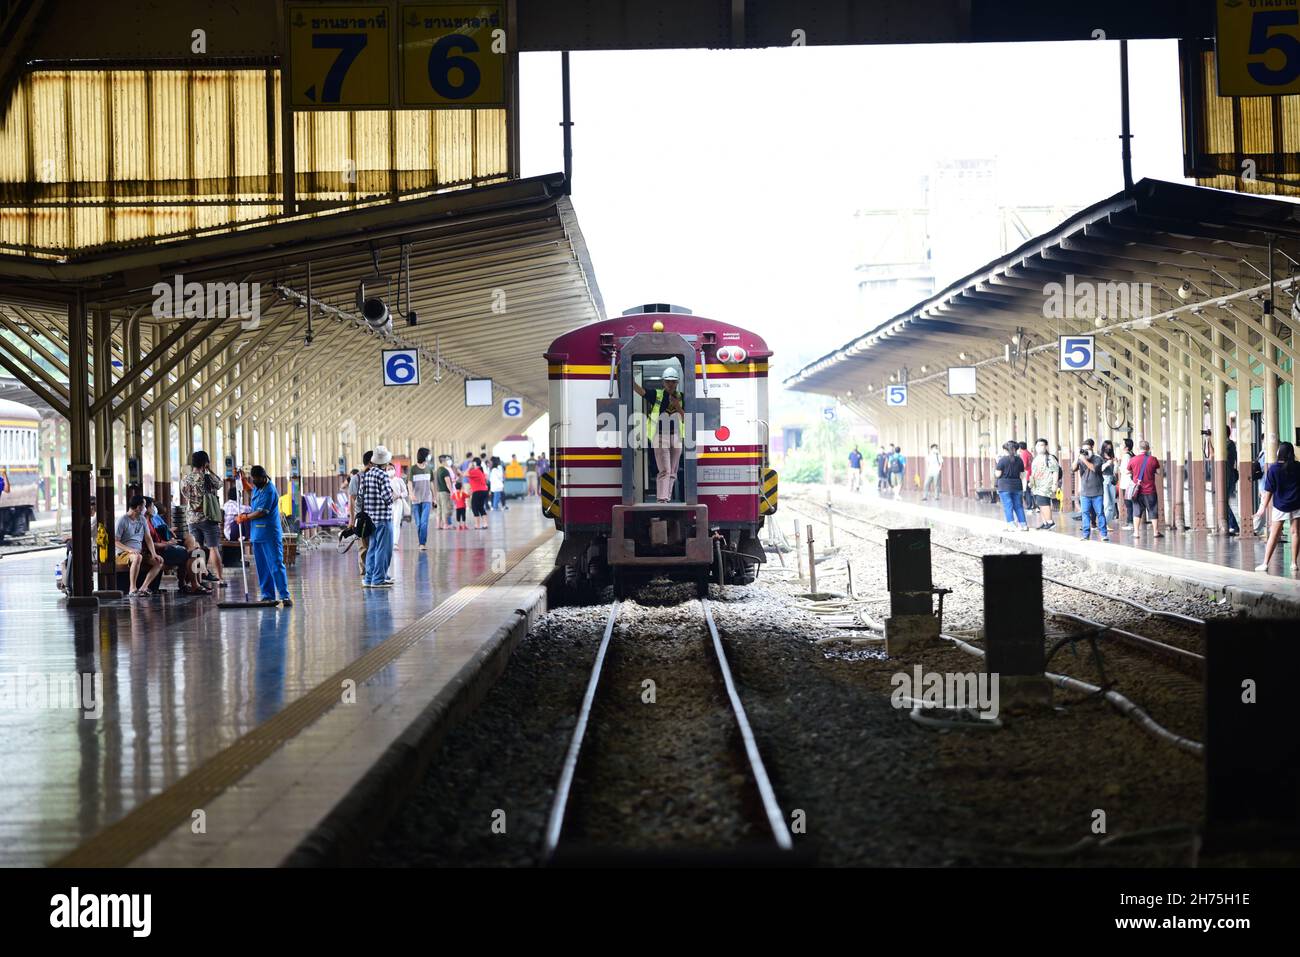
[664, 424]
[376, 500]
[267, 537]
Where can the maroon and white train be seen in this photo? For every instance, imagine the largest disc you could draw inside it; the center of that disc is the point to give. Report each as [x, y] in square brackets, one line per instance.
[600, 488]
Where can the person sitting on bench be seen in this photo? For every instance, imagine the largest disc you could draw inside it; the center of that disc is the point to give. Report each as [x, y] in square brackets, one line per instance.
[175, 555]
[134, 539]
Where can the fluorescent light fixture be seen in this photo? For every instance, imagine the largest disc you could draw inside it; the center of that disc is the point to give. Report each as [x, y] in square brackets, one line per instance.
[961, 380]
[478, 392]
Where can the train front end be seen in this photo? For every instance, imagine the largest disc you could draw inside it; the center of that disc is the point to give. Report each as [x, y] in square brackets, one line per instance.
[633, 501]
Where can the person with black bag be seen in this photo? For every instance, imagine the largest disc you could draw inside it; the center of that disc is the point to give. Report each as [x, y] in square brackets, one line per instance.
[1142, 493]
[1126, 484]
[1110, 478]
[360, 529]
[376, 500]
[204, 512]
[1234, 527]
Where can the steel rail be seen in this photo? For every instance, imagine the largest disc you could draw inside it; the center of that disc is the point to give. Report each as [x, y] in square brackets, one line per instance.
[563, 791]
[1133, 603]
[1188, 662]
[776, 823]
[772, 809]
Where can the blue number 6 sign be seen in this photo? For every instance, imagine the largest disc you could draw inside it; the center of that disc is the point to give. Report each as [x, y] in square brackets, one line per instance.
[1078, 353]
[401, 367]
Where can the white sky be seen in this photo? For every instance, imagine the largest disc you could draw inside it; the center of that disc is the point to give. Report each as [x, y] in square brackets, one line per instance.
[726, 181]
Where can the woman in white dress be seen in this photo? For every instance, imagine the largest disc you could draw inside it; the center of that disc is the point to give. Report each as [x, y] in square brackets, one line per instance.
[401, 506]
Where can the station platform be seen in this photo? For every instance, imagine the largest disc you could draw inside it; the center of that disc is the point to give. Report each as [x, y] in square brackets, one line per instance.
[1184, 560]
[243, 736]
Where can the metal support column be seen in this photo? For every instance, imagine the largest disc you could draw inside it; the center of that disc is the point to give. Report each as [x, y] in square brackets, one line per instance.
[1246, 446]
[1219, 442]
[162, 449]
[105, 489]
[135, 419]
[80, 587]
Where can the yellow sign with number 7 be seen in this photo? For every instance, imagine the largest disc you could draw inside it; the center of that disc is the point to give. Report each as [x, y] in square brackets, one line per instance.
[340, 58]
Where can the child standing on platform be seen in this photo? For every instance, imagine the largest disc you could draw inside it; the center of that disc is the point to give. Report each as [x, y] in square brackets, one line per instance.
[458, 499]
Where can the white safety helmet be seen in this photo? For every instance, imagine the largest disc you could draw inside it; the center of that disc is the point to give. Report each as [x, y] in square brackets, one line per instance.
[671, 373]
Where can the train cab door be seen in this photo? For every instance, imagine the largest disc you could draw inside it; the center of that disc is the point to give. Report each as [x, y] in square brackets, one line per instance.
[647, 534]
[644, 360]
[649, 374]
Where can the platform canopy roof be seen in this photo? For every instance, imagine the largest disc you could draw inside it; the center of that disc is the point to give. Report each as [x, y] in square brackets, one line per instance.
[1158, 253]
[491, 274]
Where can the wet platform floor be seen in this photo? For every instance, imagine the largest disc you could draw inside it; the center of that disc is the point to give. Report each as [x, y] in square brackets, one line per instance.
[180, 679]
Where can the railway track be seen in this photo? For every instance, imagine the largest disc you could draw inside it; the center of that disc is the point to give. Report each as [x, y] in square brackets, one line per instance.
[1181, 634]
[663, 762]
[31, 542]
[1171, 694]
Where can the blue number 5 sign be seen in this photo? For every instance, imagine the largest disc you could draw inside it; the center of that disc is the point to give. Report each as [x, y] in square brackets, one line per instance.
[1078, 353]
[401, 367]
[896, 395]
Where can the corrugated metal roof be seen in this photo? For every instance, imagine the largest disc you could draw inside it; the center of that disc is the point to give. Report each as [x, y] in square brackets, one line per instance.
[1156, 233]
[95, 158]
[496, 274]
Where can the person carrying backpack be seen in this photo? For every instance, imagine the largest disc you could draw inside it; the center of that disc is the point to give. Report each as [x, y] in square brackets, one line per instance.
[1044, 480]
[896, 467]
[204, 512]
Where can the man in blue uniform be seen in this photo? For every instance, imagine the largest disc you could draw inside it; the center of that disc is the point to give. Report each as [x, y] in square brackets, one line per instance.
[855, 470]
[267, 538]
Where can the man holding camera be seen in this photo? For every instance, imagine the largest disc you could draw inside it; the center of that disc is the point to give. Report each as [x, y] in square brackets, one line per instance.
[1091, 491]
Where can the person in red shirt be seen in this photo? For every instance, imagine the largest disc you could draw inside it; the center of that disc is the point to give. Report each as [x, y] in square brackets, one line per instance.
[1143, 468]
[478, 493]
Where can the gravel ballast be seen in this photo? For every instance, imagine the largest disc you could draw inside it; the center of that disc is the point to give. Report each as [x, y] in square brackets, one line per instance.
[860, 782]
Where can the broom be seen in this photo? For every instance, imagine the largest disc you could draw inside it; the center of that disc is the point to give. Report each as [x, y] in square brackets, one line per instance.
[243, 564]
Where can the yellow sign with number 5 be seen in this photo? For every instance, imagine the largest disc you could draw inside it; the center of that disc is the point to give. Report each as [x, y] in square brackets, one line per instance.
[1257, 48]
[453, 54]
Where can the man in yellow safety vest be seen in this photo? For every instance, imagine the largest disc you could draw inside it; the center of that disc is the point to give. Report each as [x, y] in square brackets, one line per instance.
[664, 424]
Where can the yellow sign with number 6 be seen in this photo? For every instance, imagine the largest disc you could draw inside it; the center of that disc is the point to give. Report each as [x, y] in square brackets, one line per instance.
[453, 54]
[1257, 48]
